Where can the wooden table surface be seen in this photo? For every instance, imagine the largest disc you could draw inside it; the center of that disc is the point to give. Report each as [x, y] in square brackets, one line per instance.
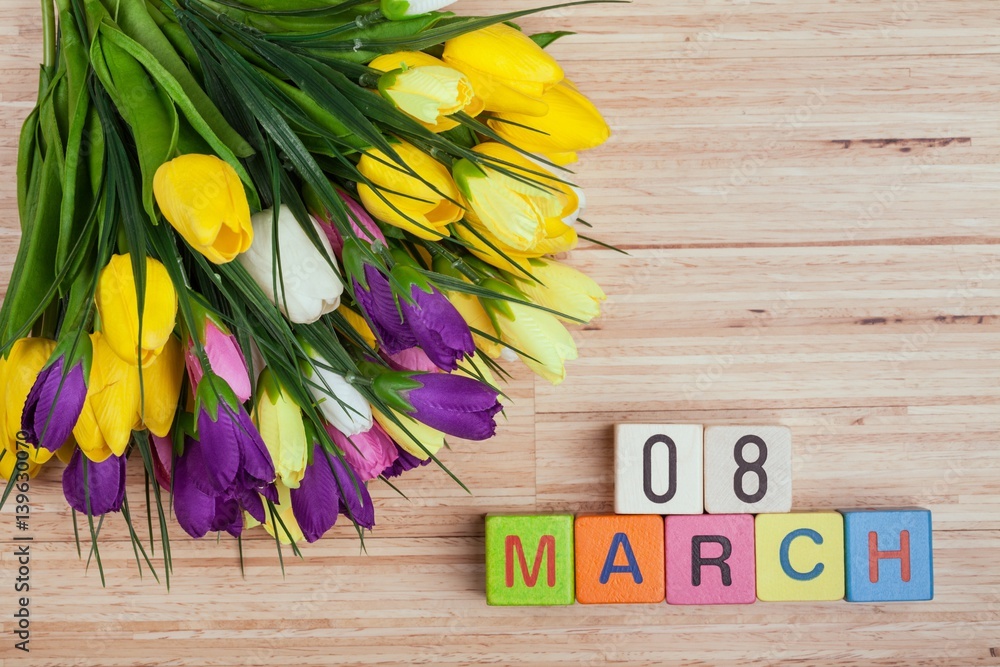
[808, 191]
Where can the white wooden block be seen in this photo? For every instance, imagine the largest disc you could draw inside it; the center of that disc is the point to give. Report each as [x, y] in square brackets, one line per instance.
[658, 469]
[748, 469]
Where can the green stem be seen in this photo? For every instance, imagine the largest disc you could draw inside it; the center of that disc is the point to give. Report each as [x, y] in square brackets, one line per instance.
[50, 321]
[48, 35]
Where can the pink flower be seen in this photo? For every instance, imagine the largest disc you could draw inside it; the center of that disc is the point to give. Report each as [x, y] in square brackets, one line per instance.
[412, 359]
[367, 453]
[361, 222]
[163, 455]
[225, 358]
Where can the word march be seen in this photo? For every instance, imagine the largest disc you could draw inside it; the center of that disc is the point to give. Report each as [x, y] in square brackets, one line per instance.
[703, 516]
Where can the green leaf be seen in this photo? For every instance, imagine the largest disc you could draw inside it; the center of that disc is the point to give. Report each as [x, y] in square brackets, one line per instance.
[544, 39]
[30, 289]
[435, 35]
[135, 21]
[143, 104]
[76, 200]
[28, 177]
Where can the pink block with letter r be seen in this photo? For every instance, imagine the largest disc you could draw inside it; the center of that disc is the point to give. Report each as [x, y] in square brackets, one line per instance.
[711, 559]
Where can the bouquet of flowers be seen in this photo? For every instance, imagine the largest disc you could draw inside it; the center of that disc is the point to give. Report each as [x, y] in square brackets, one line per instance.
[273, 250]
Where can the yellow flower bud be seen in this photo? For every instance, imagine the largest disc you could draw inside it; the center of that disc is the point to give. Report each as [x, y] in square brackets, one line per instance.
[358, 323]
[24, 362]
[515, 206]
[415, 435]
[561, 288]
[425, 89]
[410, 203]
[161, 388]
[283, 508]
[474, 367]
[507, 70]
[117, 304]
[111, 408]
[203, 198]
[571, 124]
[8, 460]
[545, 342]
[279, 420]
[475, 316]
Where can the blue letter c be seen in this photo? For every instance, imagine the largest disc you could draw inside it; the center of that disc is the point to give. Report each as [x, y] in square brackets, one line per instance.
[786, 545]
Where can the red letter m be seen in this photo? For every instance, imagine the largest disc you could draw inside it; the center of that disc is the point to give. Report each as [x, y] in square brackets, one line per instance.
[545, 545]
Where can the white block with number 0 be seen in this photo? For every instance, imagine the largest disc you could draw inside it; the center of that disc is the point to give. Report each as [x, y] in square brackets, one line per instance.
[658, 469]
[748, 469]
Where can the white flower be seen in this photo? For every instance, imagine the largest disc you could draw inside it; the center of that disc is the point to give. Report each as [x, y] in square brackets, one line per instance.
[307, 284]
[341, 404]
[396, 10]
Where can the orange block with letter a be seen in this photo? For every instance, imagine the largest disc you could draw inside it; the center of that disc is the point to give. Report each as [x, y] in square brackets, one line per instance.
[619, 559]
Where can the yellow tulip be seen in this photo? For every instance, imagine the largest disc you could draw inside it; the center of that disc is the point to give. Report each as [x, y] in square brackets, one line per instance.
[117, 304]
[65, 453]
[514, 206]
[560, 237]
[24, 362]
[474, 367]
[545, 343]
[279, 420]
[507, 70]
[111, 408]
[358, 323]
[415, 435]
[571, 124]
[475, 316]
[425, 89]
[162, 388]
[203, 198]
[481, 244]
[8, 460]
[283, 508]
[411, 203]
[561, 288]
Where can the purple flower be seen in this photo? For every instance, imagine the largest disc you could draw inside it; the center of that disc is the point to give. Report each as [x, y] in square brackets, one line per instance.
[452, 404]
[330, 487]
[379, 304]
[199, 509]
[437, 326]
[404, 463]
[235, 456]
[54, 404]
[105, 484]
[226, 470]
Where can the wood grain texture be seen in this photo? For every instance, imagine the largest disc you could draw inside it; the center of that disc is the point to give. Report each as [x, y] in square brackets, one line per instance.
[808, 190]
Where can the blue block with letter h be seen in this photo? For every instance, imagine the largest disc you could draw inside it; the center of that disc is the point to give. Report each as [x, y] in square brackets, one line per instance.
[889, 555]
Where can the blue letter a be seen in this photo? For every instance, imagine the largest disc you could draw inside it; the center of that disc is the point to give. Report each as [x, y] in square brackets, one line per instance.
[620, 541]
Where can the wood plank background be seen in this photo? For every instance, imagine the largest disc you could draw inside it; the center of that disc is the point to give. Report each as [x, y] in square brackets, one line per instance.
[808, 191]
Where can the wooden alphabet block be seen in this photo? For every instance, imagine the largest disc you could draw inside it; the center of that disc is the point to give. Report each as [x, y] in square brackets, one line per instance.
[659, 469]
[710, 559]
[529, 560]
[800, 556]
[748, 469]
[889, 555]
[619, 559]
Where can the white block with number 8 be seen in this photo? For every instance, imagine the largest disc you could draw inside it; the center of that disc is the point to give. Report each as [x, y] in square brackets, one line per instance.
[658, 469]
[748, 469]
